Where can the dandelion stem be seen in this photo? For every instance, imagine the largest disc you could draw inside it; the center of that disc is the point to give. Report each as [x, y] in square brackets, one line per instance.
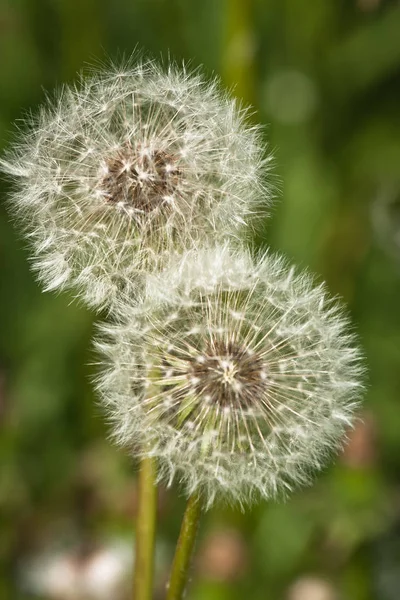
[184, 549]
[145, 531]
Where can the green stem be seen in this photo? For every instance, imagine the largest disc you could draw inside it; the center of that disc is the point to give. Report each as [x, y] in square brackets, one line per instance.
[184, 549]
[145, 531]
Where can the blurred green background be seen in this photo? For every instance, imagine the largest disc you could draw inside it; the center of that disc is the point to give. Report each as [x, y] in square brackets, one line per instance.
[324, 76]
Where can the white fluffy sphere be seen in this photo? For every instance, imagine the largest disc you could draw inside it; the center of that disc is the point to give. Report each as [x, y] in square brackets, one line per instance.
[240, 377]
[135, 163]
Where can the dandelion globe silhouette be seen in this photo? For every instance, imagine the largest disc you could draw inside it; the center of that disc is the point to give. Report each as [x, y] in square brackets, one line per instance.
[241, 381]
[132, 165]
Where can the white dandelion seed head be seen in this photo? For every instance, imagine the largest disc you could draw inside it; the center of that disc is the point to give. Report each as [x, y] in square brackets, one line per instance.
[240, 392]
[128, 167]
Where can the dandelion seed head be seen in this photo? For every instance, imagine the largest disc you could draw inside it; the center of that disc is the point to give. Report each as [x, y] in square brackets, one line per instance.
[119, 172]
[249, 389]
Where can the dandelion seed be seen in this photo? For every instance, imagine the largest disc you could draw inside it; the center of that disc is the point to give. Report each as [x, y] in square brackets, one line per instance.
[255, 404]
[125, 169]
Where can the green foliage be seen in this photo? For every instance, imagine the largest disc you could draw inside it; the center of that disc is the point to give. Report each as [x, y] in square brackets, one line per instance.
[325, 76]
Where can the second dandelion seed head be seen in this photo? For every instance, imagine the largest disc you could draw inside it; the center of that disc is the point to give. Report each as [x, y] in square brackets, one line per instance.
[240, 391]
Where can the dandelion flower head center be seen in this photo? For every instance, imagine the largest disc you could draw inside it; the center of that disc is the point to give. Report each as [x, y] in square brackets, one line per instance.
[228, 374]
[140, 178]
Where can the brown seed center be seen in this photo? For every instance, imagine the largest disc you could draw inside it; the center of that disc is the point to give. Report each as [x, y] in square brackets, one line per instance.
[228, 374]
[141, 179]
